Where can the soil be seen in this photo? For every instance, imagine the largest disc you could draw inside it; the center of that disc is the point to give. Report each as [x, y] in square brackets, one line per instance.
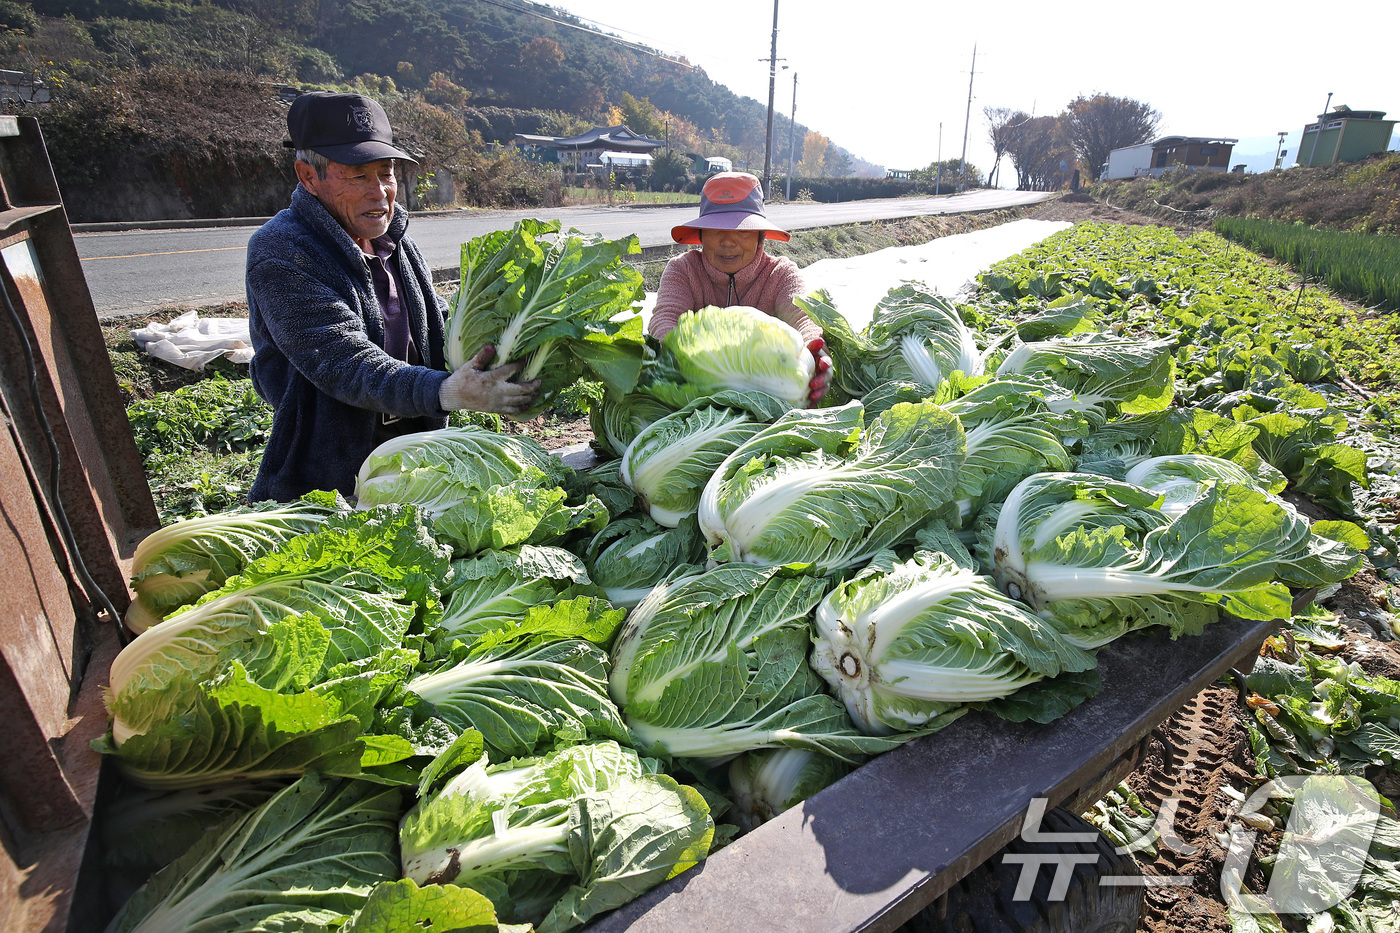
[1080, 208]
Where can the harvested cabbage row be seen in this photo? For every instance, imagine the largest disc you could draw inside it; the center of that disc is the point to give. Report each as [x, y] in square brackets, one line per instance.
[713, 665]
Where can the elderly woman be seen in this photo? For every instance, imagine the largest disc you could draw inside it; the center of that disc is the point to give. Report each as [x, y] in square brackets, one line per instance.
[731, 267]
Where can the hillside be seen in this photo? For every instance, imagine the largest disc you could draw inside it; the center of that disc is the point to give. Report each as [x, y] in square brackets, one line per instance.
[177, 90]
[1363, 196]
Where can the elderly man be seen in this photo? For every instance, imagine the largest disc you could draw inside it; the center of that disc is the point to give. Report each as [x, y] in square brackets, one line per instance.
[347, 330]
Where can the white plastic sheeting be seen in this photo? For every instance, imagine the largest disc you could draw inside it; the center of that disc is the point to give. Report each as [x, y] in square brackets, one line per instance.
[948, 264]
[193, 342]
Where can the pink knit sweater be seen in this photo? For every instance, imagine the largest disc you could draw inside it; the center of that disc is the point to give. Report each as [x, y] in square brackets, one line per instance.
[768, 283]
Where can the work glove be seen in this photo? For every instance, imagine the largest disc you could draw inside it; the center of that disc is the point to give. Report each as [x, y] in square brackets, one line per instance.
[821, 375]
[480, 389]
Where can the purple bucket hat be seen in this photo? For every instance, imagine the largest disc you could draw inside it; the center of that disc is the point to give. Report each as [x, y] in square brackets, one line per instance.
[729, 201]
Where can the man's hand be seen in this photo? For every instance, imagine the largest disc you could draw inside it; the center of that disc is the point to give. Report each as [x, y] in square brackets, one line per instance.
[821, 376]
[480, 389]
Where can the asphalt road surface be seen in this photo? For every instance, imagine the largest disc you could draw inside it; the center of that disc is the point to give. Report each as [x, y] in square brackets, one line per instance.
[133, 271]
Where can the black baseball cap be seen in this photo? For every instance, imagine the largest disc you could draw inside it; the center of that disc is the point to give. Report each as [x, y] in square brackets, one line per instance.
[347, 128]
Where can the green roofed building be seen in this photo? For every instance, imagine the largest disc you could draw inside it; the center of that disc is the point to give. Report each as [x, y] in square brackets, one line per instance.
[1344, 135]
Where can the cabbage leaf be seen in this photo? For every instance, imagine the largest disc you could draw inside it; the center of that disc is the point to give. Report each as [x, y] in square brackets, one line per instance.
[308, 856]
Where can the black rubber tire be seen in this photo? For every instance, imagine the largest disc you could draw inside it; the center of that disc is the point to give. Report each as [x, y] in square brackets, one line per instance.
[982, 902]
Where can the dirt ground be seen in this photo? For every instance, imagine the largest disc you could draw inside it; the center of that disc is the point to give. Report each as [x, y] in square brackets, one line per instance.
[1080, 208]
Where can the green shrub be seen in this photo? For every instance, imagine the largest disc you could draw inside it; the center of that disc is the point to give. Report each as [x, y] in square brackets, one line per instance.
[218, 416]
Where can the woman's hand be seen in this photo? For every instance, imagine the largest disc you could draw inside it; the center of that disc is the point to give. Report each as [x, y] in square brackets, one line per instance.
[821, 376]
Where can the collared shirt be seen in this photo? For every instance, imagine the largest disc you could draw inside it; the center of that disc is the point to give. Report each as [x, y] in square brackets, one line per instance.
[398, 339]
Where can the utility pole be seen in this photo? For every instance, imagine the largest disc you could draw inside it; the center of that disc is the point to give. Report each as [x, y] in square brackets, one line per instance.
[772, 85]
[792, 131]
[967, 121]
[938, 165]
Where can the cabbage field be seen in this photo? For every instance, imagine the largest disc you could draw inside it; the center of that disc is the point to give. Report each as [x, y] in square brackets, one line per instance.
[494, 689]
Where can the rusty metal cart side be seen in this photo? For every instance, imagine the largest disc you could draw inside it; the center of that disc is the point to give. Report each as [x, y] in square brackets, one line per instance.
[75, 502]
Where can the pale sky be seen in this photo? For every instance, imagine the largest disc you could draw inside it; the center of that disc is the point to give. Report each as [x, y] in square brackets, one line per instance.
[878, 78]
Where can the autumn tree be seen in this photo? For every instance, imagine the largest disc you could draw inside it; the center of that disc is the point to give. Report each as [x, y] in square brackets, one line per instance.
[442, 91]
[682, 134]
[540, 61]
[1096, 125]
[813, 163]
[838, 161]
[640, 116]
[1037, 146]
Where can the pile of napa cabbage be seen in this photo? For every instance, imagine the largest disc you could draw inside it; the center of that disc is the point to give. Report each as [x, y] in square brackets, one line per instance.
[501, 690]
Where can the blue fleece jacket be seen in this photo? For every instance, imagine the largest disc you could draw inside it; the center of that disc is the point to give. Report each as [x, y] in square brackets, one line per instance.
[318, 338]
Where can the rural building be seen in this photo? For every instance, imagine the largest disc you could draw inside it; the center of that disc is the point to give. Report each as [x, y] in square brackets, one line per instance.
[1202, 153]
[587, 149]
[1344, 135]
[22, 88]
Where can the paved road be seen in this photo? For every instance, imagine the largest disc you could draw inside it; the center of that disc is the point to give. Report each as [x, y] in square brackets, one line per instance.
[138, 270]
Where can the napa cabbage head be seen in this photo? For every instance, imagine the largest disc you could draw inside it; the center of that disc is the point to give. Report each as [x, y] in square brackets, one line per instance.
[280, 670]
[634, 554]
[615, 420]
[555, 301]
[739, 348]
[557, 839]
[1116, 375]
[1182, 477]
[1011, 434]
[524, 696]
[769, 781]
[481, 489]
[178, 564]
[906, 644]
[715, 664]
[494, 590]
[669, 462]
[915, 335]
[306, 858]
[1100, 558]
[824, 488]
